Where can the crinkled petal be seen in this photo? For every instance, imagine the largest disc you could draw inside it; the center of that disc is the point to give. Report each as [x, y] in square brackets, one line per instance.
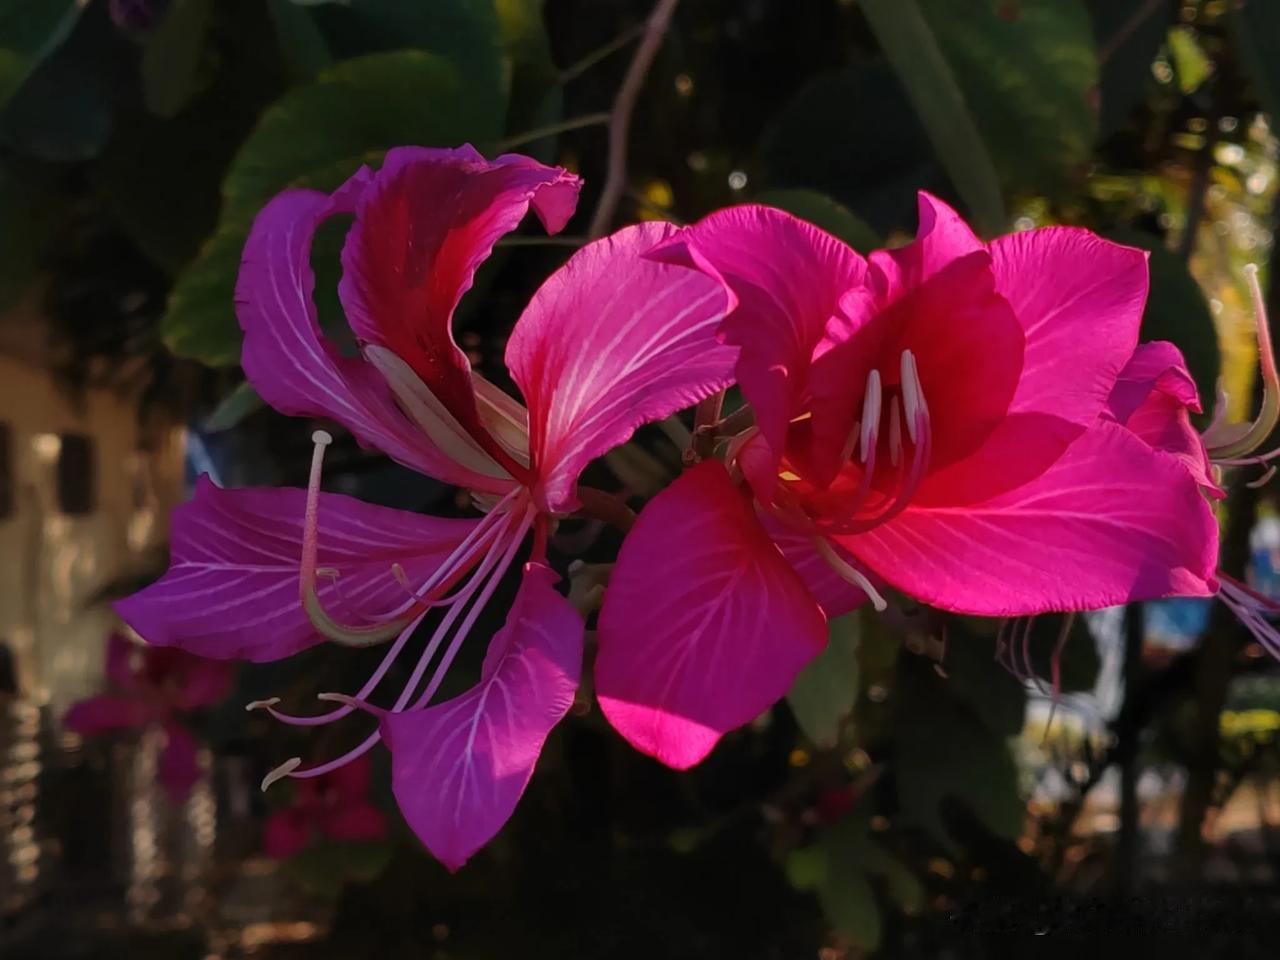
[102, 714]
[426, 222]
[1152, 398]
[458, 768]
[179, 766]
[704, 624]
[288, 359]
[232, 586]
[941, 237]
[787, 278]
[1111, 522]
[613, 340]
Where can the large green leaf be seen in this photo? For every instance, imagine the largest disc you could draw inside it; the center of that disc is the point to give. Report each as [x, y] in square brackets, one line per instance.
[1028, 71]
[943, 752]
[996, 697]
[537, 97]
[29, 31]
[172, 56]
[1177, 310]
[317, 136]
[822, 211]
[303, 48]
[851, 134]
[826, 690]
[912, 47]
[1128, 36]
[1255, 25]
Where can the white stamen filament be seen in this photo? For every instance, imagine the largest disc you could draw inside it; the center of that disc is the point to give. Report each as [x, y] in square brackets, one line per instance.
[911, 395]
[870, 414]
[849, 573]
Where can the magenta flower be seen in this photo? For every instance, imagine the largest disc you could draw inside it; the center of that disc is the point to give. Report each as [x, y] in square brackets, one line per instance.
[610, 341]
[934, 418]
[153, 686]
[334, 806]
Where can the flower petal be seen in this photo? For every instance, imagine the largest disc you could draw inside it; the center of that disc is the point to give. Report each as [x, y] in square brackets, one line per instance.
[1080, 300]
[102, 714]
[1110, 522]
[179, 766]
[968, 348]
[286, 832]
[359, 821]
[458, 768]
[704, 624]
[836, 595]
[613, 340]
[1152, 398]
[787, 278]
[232, 586]
[427, 221]
[287, 358]
[941, 237]
[120, 669]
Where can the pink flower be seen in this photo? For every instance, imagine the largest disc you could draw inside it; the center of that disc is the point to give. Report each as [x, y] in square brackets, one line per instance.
[334, 806]
[153, 686]
[610, 341]
[935, 418]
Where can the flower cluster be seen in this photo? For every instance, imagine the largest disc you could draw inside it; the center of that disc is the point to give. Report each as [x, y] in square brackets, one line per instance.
[972, 424]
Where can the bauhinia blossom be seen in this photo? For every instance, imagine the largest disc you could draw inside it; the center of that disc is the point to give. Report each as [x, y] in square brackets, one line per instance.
[150, 686]
[935, 418]
[333, 807]
[610, 341]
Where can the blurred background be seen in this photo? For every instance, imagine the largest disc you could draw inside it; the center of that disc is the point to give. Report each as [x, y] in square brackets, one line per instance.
[909, 799]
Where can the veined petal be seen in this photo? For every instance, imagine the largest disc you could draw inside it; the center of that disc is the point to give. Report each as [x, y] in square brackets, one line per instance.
[232, 586]
[704, 624]
[427, 221]
[787, 278]
[836, 595]
[1112, 521]
[286, 356]
[611, 341]
[458, 768]
[1079, 299]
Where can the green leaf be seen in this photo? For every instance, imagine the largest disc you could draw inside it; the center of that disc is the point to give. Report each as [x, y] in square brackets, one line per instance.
[235, 406]
[1255, 24]
[822, 211]
[324, 868]
[1126, 53]
[1190, 63]
[171, 58]
[537, 97]
[904, 886]
[316, 136]
[845, 892]
[911, 46]
[302, 46]
[1177, 310]
[987, 688]
[1028, 71]
[826, 690]
[944, 752]
[871, 154]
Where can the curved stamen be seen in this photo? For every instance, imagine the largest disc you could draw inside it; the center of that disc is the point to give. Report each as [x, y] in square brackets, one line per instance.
[365, 635]
[1269, 412]
[490, 574]
[481, 601]
[453, 566]
[849, 573]
[1252, 609]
